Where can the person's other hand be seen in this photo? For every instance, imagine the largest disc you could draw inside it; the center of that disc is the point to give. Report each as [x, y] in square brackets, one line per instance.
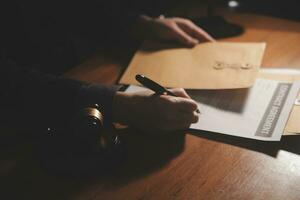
[149, 112]
[176, 29]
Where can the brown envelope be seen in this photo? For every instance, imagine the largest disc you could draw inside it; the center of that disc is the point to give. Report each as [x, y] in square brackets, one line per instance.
[215, 65]
[292, 126]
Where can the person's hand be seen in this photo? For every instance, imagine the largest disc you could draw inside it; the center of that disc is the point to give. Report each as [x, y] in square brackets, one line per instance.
[149, 112]
[176, 29]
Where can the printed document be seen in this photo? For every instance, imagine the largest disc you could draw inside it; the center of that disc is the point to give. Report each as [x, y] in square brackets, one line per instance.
[260, 112]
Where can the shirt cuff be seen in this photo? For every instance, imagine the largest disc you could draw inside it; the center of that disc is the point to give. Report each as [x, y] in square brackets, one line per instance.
[92, 94]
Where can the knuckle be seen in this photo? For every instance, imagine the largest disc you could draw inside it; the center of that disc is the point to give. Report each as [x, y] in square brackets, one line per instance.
[190, 105]
[195, 118]
[170, 22]
[187, 21]
[194, 105]
[181, 90]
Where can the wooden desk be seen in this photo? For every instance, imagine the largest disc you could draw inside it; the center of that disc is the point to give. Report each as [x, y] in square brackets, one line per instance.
[183, 167]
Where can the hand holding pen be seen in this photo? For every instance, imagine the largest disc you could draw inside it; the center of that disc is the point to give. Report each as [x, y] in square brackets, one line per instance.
[152, 113]
[155, 87]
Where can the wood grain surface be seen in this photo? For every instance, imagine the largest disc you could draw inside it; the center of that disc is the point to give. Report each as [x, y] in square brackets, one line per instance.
[190, 166]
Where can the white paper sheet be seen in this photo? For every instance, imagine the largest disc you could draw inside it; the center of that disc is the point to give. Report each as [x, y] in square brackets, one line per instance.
[260, 112]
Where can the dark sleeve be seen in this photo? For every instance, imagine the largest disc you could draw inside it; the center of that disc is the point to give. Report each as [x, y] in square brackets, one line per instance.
[42, 99]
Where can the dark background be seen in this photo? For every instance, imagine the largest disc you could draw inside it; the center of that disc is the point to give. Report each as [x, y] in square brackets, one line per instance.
[280, 8]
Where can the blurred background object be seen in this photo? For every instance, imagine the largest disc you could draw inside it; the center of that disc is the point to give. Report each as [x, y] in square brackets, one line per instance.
[288, 9]
[208, 13]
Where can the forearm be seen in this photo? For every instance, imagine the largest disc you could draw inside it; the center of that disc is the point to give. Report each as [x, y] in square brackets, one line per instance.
[43, 98]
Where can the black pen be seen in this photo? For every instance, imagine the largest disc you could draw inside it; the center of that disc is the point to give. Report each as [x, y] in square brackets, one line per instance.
[155, 87]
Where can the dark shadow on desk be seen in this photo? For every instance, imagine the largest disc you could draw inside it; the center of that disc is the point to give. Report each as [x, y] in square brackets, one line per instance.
[287, 143]
[136, 155]
[22, 177]
[145, 154]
